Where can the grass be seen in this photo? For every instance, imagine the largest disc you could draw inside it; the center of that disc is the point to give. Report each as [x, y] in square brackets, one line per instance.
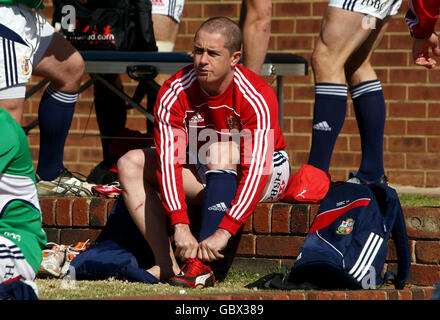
[235, 281]
[419, 200]
[57, 289]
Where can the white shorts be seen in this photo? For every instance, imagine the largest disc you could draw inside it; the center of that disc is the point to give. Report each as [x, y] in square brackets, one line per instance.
[171, 8]
[278, 181]
[280, 176]
[25, 36]
[12, 262]
[376, 8]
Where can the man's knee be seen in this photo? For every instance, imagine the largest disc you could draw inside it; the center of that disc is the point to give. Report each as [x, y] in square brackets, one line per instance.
[75, 67]
[223, 155]
[130, 164]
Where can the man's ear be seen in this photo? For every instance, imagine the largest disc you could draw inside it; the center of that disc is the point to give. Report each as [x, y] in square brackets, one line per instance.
[236, 56]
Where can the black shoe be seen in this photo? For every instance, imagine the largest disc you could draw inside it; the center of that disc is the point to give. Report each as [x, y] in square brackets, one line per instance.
[353, 178]
[103, 174]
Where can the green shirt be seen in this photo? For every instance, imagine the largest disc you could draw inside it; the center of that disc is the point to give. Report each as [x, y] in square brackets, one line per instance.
[20, 214]
[35, 4]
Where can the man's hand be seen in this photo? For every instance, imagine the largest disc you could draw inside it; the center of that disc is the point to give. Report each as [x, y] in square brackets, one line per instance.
[421, 48]
[186, 244]
[209, 249]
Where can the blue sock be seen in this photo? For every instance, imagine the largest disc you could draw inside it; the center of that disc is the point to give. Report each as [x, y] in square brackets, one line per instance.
[221, 186]
[55, 115]
[369, 107]
[328, 117]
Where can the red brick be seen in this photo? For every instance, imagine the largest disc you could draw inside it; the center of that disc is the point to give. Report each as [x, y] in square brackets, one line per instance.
[300, 219]
[261, 218]
[64, 212]
[319, 295]
[423, 93]
[290, 9]
[279, 246]
[433, 144]
[282, 26]
[80, 212]
[304, 109]
[389, 59]
[308, 25]
[408, 75]
[248, 225]
[296, 42]
[426, 127]
[72, 236]
[424, 275]
[406, 109]
[298, 142]
[227, 10]
[433, 180]
[428, 252]
[98, 212]
[423, 160]
[394, 160]
[280, 218]
[246, 245]
[295, 295]
[47, 206]
[434, 110]
[406, 178]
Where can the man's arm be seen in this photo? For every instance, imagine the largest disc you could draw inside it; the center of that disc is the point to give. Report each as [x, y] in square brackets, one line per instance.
[421, 19]
[170, 140]
[421, 51]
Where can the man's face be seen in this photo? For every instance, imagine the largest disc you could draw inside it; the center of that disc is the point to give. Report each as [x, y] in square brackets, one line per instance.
[213, 63]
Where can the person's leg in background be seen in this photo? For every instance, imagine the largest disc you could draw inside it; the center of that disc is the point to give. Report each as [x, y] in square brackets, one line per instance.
[111, 115]
[255, 20]
[166, 17]
[369, 105]
[51, 57]
[341, 35]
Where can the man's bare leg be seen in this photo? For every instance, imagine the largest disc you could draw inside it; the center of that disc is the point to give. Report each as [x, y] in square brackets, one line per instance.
[14, 107]
[146, 209]
[139, 185]
[255, 20]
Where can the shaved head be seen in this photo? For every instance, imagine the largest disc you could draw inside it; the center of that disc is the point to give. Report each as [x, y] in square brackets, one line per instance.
[227, 28]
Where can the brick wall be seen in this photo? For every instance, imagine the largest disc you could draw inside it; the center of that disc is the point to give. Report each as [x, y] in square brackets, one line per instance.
[271, 237]
[412, 135]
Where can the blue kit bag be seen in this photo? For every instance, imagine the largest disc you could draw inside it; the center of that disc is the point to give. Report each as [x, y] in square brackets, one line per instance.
[347, 243]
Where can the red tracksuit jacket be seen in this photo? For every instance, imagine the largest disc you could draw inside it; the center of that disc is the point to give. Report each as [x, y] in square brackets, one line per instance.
[182, 108]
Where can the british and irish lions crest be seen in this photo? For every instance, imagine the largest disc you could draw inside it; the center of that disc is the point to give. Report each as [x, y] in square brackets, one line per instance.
[346, 227]
[26, 66]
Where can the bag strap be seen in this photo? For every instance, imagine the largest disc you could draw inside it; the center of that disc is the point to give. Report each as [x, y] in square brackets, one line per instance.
[393, 210]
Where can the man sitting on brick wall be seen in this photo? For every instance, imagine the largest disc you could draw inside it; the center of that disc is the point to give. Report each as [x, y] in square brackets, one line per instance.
[241, 164]
[351, 30]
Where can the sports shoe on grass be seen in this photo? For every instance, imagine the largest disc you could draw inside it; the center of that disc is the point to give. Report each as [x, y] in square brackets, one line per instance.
[53, 259]
[111, 190]
[66, 184]
[193, 274]
[71, 253]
